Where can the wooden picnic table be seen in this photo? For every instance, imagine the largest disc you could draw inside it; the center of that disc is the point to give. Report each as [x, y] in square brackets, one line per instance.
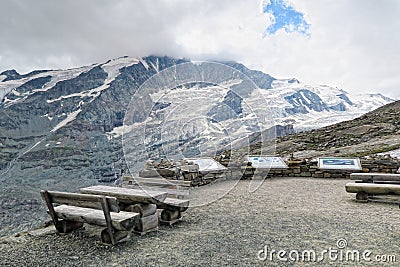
[126, 195]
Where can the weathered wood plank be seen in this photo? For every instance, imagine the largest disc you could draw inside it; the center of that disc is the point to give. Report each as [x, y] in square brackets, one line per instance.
[83, 200]
[156, 190]
[174, 204]
[161, 182]
[373, 189]
[370, 177]
[126, 195]
[123, 221]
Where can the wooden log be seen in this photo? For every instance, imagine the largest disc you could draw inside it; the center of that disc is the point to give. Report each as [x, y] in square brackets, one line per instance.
[143, 209]
[386, 182]
[147, 223]
[170, 215]
[370, 177]
[123, 221]
[174, 204]
[65, 226]
[373, 189]
[82, 200]
[126, 195]
[156, 190]
[117, 236]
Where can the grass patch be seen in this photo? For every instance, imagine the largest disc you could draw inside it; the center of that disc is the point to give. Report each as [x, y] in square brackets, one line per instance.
[377, 150]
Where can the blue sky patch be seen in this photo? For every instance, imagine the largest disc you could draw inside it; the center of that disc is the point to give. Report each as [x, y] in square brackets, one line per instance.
[284, 17]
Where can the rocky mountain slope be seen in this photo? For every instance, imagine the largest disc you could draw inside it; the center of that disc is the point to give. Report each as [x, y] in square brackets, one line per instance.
[56, 123]
[376, 132]
[63, 129]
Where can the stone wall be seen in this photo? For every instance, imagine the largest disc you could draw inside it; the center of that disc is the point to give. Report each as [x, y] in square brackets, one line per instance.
[309, 168]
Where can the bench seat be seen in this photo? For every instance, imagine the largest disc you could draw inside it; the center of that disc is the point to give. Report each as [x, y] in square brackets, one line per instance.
[174, 204]
[123, 221]
[373, 189]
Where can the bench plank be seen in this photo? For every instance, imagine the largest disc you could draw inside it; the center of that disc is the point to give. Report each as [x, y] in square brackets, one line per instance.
[184, 192]
[82, 200]
[174, 204]
[370, 177]
[374, 189]
[126, 195]
[123, 221]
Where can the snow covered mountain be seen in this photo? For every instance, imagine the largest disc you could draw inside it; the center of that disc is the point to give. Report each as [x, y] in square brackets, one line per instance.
[70, 122]
[66, 129]
[309, 107]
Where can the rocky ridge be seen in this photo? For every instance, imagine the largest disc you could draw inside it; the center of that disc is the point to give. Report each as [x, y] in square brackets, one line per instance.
[372, 133]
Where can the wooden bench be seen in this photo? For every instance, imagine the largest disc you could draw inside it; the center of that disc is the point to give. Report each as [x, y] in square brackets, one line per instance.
[368, 185]
[76, 209]
[172, 207]
[366, 190]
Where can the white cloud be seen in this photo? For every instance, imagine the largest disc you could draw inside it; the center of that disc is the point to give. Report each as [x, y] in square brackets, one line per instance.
[353, 44]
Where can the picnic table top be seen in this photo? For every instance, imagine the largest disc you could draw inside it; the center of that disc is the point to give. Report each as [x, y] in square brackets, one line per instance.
[127, 195]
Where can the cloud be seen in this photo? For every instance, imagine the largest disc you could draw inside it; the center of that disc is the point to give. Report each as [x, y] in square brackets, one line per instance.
[351, 44]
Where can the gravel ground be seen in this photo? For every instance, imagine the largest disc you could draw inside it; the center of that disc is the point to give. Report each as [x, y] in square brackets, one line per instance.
[284, 214]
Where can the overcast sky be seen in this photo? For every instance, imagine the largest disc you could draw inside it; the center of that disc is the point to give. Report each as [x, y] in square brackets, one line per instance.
[352, 44]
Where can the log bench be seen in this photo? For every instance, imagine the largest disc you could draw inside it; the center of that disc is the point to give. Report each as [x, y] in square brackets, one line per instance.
[368, 185]
[72, 210]
[172, 209]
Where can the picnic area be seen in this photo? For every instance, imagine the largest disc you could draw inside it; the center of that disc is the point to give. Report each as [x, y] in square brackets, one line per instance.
[284, 213]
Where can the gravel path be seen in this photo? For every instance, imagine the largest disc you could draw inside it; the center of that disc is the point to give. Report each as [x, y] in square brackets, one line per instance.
[284, 214]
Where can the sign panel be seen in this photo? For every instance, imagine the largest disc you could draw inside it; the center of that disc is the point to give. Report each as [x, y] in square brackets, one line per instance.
[339, 163]
[208, 165]
[265, 162]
